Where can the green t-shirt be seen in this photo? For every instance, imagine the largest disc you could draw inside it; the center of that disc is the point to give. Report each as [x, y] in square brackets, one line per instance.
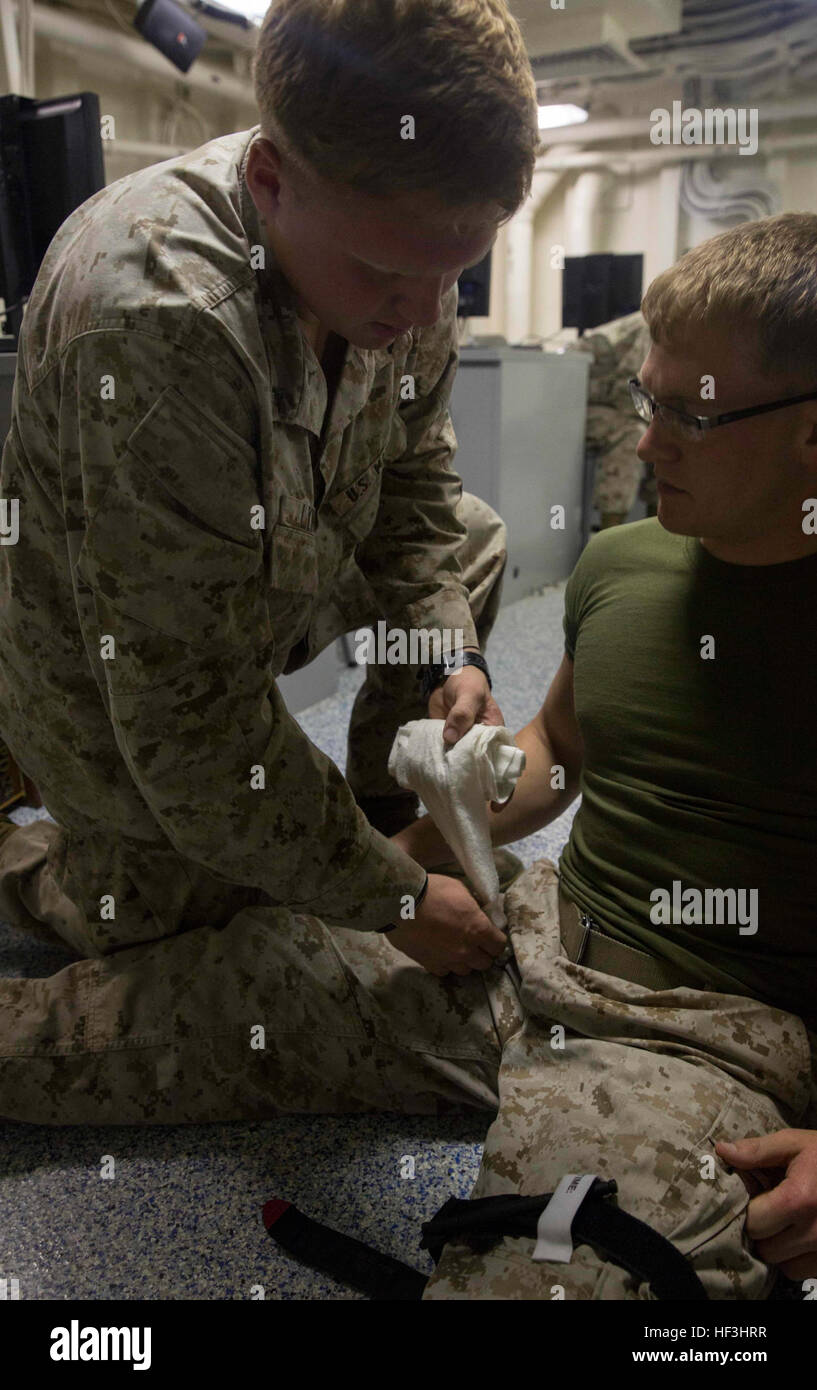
[699, 772]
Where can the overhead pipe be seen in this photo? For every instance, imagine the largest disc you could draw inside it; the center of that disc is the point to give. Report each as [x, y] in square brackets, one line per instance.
[669, 154]
[629, 127]
[147, 149]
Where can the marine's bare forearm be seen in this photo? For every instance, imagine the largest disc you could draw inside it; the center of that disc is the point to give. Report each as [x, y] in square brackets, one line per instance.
[534, 803]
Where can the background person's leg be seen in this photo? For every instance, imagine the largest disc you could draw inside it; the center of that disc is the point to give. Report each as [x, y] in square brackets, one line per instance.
[645, 1085]
[618, 467]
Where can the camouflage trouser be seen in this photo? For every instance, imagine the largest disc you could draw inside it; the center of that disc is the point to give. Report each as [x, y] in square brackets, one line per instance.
[620, 475]
[640, 1088]
[644, 1085]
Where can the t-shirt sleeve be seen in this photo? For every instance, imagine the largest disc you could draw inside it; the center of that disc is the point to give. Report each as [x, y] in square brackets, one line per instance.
[570, 629]
[576, 593]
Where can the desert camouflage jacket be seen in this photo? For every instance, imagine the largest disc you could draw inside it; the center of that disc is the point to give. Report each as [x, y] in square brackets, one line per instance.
[170, 552]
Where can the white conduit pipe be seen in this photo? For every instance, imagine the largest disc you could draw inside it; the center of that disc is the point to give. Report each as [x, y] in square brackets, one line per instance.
[670, 154]
[144, 149]
[11, 48]
[627, 127]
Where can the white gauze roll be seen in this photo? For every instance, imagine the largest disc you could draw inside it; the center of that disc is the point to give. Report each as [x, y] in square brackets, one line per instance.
[455, 785]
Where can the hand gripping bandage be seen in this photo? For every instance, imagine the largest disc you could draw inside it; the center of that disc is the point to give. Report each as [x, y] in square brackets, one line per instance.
[455, 785]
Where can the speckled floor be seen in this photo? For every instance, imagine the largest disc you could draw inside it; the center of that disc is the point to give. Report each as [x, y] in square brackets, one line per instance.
[181, 1218]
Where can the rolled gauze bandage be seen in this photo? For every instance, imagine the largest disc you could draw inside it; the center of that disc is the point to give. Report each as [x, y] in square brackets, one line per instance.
[455, 785]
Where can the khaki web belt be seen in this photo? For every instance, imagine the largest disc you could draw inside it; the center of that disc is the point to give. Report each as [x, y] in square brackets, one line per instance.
[586, 943]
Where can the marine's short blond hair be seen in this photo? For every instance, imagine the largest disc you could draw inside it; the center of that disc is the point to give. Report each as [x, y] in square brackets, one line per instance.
[760, 279]
[335, 78]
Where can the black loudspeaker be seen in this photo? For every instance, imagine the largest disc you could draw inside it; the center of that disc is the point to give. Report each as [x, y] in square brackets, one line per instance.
[598, 288]
[586, 291]
[626, 280]
[170, 29]
[475, 290]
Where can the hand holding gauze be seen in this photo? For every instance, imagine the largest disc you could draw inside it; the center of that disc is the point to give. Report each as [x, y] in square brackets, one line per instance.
[455, 785]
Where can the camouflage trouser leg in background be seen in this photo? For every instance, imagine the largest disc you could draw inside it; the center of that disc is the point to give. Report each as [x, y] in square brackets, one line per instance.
[390, 695]
[642, 1089]
[620, 476]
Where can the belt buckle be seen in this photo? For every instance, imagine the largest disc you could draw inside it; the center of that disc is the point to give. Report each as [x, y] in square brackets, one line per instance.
[586, 922]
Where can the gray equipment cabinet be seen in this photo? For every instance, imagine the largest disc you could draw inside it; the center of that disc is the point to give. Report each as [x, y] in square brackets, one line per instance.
[519, 417]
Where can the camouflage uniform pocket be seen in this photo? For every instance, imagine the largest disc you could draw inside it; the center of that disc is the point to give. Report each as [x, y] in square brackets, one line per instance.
[292, 571]
[714, 1202]
[356, 507]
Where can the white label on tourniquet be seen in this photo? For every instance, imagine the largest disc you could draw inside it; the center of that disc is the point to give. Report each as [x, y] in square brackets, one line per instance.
[553, 1238]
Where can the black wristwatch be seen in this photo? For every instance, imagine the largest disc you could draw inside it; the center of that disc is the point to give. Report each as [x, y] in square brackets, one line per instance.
[439, 671]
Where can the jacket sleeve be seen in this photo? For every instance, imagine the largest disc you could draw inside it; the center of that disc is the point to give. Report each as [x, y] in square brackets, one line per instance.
[170, 583]
[410, 556]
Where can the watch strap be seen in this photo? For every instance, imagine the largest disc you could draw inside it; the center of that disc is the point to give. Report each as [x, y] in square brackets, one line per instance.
[417, 901]
[439, 671]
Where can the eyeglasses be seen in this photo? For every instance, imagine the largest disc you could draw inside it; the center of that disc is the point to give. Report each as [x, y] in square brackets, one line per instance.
[696, 427]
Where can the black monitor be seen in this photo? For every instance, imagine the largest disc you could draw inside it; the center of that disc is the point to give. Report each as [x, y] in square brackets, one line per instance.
[598, 288]
[475, 290]
[50, 162]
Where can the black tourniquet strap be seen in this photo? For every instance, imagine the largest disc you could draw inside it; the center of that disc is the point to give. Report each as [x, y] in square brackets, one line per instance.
[617, 1236]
